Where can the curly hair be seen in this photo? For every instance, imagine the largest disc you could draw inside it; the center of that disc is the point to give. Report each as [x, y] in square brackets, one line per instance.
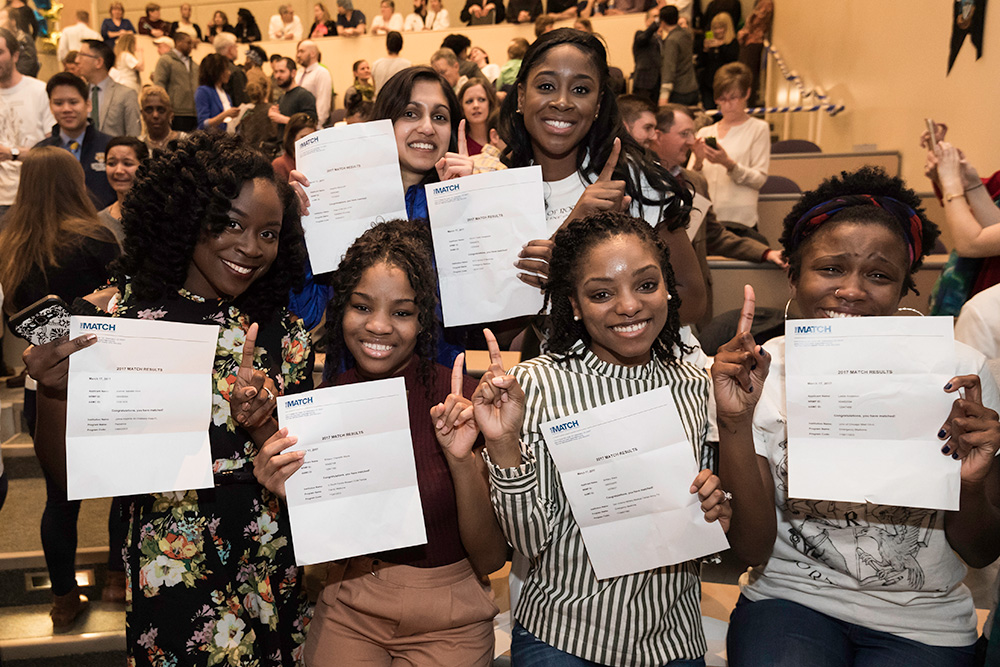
[399, 243]
[672, 200]
[870, 196]
[184, 194]
[572, 243]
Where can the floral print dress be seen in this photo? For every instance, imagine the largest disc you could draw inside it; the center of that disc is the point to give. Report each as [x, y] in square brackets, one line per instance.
[211, 574]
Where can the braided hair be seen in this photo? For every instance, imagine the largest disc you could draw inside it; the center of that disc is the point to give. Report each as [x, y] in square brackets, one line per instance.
[185, 193]
[572, 243]
[407, 246]
[866, 196]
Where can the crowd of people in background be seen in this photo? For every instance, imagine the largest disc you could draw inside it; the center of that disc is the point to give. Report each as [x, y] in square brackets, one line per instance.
[92, 158]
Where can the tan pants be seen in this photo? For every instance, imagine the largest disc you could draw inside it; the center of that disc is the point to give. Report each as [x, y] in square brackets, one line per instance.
[375, 613]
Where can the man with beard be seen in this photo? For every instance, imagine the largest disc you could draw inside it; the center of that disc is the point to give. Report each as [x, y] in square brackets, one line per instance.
[296, 98]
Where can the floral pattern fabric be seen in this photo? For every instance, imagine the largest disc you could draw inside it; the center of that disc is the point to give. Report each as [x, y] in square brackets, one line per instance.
[211, 574]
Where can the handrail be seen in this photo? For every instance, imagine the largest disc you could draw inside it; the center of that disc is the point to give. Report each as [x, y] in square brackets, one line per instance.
[832, 109]
[792, 76]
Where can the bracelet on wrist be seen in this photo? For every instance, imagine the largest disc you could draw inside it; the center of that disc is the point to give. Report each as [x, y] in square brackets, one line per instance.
[955, 195]
[980, 184]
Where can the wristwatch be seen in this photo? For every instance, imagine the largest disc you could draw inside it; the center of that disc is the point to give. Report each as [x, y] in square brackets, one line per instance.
[15, 153]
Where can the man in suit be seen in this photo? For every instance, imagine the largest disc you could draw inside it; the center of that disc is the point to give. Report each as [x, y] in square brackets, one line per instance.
[177, 73]
[646, 54]
[114, 107]
[674, 139]
[73, 132]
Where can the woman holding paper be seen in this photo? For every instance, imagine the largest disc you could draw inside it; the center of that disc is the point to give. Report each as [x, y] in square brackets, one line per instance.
[847, 583]
[211, 574]
[565, 118]
[54, 243]
[428, 605]
[614, 335]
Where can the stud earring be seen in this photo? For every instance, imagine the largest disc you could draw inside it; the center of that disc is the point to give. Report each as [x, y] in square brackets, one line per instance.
[576, 318]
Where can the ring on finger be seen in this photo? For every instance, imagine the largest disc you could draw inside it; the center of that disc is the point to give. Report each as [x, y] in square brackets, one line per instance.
[726, 496]
[270, 396]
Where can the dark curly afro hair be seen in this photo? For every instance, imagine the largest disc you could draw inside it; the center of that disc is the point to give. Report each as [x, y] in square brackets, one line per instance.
[185, 193]
[572, 243]
[407, 246]
[871, 181]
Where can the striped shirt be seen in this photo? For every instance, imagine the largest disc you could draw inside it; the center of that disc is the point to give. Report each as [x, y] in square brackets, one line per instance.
[639, 620]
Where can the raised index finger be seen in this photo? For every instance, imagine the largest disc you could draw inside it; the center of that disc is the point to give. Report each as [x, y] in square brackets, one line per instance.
[746, 314]
[496, 360]
[609, 167]
[463, 145]
[457, 376]
[246, 362]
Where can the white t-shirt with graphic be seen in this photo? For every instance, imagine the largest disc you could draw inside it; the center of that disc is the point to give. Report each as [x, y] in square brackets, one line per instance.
[886, 568]
[25, 119]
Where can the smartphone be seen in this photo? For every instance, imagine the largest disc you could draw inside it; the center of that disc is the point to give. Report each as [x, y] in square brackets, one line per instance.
[932, 129]
[711, 141]
[43, 321]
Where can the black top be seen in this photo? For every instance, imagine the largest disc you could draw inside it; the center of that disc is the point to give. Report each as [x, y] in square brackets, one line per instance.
[296, 100]
[83, 267]
[497, 18]
[515, 7]
[24, 18]
[331, 29]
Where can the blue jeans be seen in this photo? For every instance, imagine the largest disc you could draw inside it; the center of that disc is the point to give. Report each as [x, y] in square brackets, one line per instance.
[527, 650]
[779, 633]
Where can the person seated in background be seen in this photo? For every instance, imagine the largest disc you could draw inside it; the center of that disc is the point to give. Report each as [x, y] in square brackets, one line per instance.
[359, 112]
[523, 11]
[489, 158]
[299, 125]
[437, 16]
[515, 52]
[639, 117]
[151, 24]
[219, 24]
[185, 24]
[483, 12]
[70, 64]
[415, 19]
[478, 100]
[388, 19]
[461, 44]
[157, 115]
[246, 29]
[211, 100]
[116, 26]
[323, 24]
[364, 85]
[122, 159]
[482, 60]
[350, 21]
[672, 141]
[544, 24]
[70, 104]
[385, 68]
[445, 63]
[285, 24]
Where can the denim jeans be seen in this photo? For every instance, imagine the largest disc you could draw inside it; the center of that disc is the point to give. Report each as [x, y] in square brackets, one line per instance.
[779, 633]
[526, 650]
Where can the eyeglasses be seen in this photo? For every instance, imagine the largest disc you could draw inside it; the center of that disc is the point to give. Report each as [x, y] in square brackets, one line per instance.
[88, 55]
